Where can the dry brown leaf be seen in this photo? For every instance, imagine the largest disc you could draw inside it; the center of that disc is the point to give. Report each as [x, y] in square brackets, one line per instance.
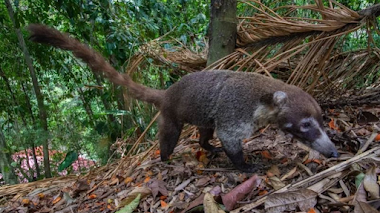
[27, 201]
[92, 196]
[190, 161]
[332, 124]
[370, 183]
[142, 191]
[289, 201]
[275, 182]
[362, 132]
[240, 191]
[362, 207]
[274, 171]
[361, 194]
[202, 157]
[128, 180]
[202, 181]
[210, 206]
[157, 153]
[147, 179]
[79, 187]
[266, 154]
[115, 180]
[198, 201]
[157, 186]
[366, 117]
[163, 204]
[290, 174]
[183, 184]
[216, 191]
[319, 187]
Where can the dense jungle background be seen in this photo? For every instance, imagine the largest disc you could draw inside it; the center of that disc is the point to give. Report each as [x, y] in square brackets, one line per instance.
[59, 119]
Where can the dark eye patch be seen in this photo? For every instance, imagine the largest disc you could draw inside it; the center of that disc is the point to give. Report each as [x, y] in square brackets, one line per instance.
[306, 125]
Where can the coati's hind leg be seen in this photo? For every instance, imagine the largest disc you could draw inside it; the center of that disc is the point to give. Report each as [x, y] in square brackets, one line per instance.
[232, 138]
[169, 132]
[206, 135]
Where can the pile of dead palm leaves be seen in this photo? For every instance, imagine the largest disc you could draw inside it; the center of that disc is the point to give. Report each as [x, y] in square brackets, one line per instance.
[307, 52]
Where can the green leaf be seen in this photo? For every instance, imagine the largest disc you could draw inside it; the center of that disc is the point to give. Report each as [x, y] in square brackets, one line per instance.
[131, 206]
[359, 179]
[70, 158]
[14, 164]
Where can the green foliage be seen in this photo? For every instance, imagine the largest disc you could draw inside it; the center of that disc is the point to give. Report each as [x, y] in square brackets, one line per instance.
[70, 158]
[130, 207]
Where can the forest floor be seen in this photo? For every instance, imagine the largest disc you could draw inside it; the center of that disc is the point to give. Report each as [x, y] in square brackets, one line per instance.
[295, 178]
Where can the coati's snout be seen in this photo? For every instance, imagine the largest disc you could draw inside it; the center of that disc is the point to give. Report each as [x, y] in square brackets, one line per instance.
[311, 133]
[303, 119]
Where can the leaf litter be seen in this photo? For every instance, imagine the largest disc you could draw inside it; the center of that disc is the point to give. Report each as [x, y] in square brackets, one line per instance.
[294, 178]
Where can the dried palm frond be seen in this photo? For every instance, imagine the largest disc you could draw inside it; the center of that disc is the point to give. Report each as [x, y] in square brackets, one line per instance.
[305, 52]
[266, 23]
[179, 57]
[279, 42]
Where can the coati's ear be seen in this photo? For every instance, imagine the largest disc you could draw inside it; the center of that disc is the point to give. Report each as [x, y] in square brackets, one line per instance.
[277, 99]
[280, 98]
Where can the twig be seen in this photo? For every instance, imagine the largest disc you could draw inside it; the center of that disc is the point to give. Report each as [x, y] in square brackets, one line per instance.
[262, 67]
[142, 135]
[368, 142]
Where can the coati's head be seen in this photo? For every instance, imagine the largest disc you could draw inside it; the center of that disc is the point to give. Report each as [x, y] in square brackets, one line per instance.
[300, 115]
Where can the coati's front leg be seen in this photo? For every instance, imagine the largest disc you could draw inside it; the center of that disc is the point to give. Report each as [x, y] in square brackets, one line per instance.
[232, 137]
[206, 135]
[169, 132]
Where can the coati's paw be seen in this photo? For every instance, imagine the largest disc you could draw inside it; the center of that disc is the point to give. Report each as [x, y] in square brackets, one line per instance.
[215, 150]
[210, 148]
[164, 158]
[250, 168]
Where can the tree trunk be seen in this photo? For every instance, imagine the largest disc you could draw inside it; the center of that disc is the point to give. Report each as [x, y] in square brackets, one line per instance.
[5, 162]
[223, 28]
[39, 96]
[29, 106]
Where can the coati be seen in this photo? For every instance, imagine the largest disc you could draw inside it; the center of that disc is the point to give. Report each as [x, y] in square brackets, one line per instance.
[234, 104]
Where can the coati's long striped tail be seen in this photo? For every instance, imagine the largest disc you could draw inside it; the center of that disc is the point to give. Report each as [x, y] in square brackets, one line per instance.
[97, 63]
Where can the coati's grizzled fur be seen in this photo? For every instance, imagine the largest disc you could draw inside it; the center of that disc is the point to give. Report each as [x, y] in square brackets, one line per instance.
[235, 104]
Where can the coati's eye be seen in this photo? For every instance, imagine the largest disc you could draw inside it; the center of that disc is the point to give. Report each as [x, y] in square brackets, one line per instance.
[305, 126]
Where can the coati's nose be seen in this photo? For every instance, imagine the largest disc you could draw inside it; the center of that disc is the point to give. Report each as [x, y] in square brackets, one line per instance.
[334, 154]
